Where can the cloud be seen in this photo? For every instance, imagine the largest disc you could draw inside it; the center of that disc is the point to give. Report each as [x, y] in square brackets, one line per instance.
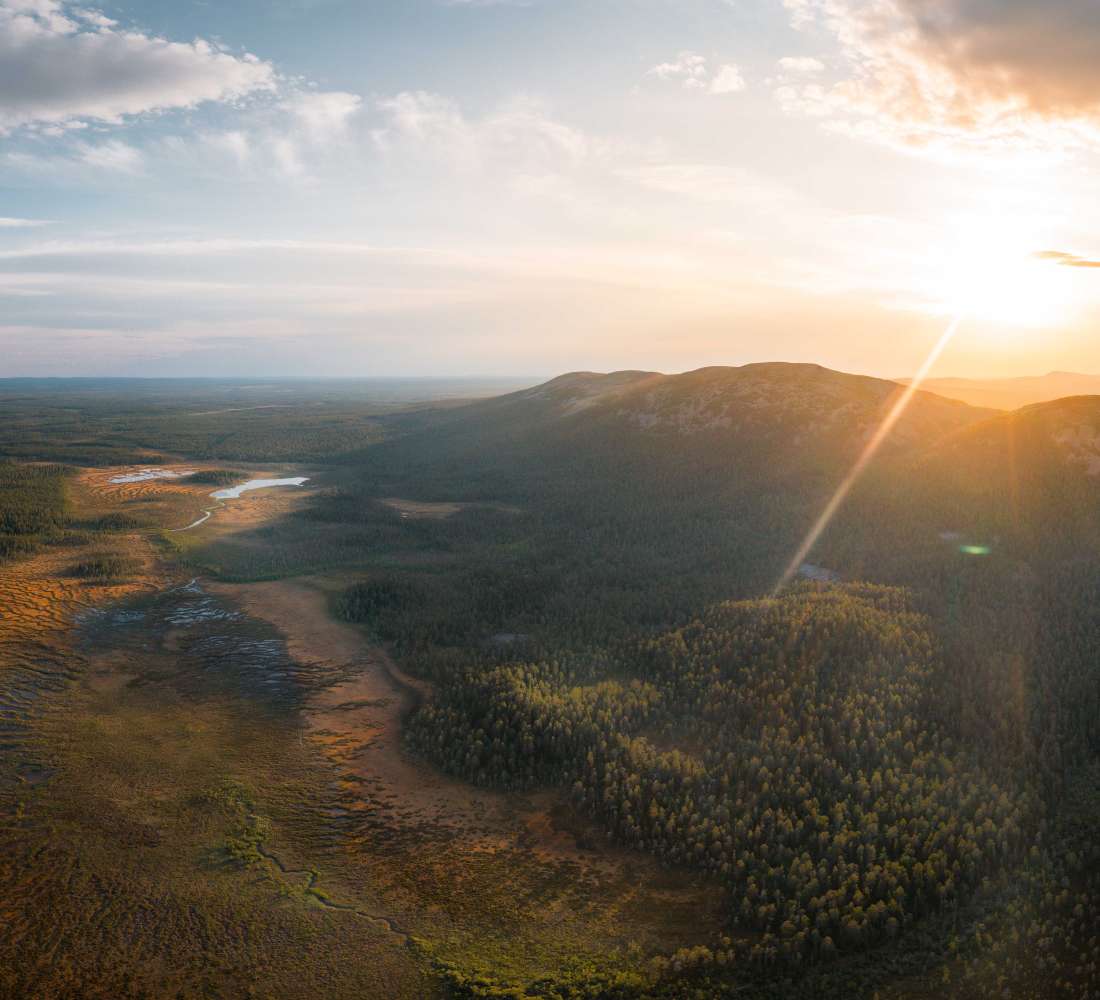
[801, 12]
[10, 223]
[1067, 259]
[801, 65]
[233, 144]
[323, 115]
[296, 139]
[107, 161]
[728, 80]
[61, 64]
[521, 135]
[986, 73]
[113, 156]
[689, 68]
[692, 71]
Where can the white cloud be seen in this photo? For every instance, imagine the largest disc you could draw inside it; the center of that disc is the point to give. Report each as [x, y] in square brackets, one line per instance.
[113, 155]
[61, 64]
[293, 139]
[801, 12]
[689, 68]
[801, 65]
[232, 143]
[10, 223]
[728, 80]
[950, 73]
[287, 156]
[521, 135]
[323, 115]
[693, 72]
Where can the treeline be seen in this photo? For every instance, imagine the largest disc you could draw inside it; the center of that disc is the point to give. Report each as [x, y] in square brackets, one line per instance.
[35, 511]
[217, 477]
[125, 425]
[33, 506]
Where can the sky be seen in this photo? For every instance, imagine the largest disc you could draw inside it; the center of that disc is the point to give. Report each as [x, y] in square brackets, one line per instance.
[526, 187]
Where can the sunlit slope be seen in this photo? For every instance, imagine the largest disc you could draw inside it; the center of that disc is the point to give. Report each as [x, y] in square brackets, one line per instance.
[1030, 477]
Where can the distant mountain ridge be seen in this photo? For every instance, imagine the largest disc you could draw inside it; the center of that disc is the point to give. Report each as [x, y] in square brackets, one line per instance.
[1013, 393]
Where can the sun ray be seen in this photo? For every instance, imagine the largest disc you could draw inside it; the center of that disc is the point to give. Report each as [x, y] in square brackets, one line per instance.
[867, 455]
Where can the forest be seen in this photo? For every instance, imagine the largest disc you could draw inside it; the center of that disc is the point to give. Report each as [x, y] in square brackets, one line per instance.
[32, 506]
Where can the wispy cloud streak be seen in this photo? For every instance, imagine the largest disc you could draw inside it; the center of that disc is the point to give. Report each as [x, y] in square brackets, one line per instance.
[1067, 259]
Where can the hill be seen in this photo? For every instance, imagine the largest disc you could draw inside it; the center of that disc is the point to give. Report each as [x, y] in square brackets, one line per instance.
[768, 397]
[771, 416]
[1031, 476]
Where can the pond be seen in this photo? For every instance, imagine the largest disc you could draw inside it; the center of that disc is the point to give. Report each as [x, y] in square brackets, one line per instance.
[234, 492]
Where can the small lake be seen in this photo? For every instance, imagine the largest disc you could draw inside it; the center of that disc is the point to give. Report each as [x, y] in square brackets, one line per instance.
[257, 484]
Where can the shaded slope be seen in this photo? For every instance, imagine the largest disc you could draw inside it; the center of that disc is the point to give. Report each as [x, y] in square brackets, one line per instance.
[756, 422]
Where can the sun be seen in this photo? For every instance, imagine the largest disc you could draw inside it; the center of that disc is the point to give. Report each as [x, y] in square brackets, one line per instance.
[992, 273]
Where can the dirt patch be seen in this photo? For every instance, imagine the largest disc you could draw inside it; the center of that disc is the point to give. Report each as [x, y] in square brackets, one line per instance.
[419, 510]
[416, 510]
[357, 722]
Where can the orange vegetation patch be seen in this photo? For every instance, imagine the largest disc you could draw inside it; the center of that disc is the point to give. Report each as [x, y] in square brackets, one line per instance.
[174, 504]
[166, 503]
[37, 596]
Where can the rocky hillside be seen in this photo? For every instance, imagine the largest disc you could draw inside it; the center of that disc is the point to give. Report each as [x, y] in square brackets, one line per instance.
[799, 402]
[789, 405]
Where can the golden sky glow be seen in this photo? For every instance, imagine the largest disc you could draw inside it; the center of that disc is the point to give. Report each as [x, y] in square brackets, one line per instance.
[523, 188]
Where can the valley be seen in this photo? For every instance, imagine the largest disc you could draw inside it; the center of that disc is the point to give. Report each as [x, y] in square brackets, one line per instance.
[495, 703]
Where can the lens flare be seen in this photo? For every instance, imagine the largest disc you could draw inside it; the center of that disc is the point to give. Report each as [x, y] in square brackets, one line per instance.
[897, 411]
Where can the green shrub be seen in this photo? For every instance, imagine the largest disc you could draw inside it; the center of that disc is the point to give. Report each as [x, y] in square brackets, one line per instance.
[105, 567]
